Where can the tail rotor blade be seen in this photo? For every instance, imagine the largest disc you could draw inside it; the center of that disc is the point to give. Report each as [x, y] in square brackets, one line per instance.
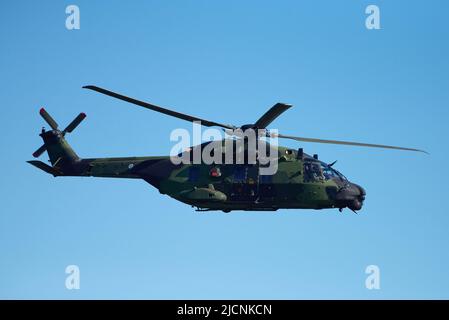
[74, 123]
[39, 151]
[51, 122]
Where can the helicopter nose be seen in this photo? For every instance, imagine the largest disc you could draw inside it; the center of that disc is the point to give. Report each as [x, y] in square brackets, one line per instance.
[362, 192]
[356, 203]
[352, 196]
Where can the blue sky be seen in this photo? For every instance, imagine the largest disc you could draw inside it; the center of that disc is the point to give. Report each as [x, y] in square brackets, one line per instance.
[227, 61]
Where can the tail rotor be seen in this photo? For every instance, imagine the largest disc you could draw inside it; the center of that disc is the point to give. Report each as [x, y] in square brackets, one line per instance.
[54, 126]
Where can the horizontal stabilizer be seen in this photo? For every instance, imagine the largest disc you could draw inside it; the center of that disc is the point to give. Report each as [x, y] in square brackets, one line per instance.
[45, 167]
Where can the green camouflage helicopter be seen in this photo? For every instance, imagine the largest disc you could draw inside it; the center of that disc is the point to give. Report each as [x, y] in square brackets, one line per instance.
[300, 182]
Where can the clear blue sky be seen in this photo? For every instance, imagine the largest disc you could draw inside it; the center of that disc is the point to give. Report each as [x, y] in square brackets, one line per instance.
[226, 61]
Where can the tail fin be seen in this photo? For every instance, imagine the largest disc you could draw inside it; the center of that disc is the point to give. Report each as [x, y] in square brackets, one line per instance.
[59, 151]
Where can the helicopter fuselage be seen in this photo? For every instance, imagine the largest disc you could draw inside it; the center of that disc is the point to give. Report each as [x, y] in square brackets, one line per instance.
[300, 182]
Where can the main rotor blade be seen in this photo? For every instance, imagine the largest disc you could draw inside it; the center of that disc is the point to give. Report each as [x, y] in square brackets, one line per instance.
[39, 151]
[74, 123]
[269, 116]
[51, 122]
[359, 144]
[159, 109]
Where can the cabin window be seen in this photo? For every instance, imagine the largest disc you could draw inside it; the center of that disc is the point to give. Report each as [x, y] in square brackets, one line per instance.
[265, 179]
[239, 174]
[194, 173]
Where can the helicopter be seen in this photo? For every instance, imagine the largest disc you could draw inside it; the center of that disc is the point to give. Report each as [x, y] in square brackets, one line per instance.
[301, 181]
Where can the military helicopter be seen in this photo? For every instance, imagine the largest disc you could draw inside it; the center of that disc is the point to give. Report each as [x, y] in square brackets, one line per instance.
[300, 182]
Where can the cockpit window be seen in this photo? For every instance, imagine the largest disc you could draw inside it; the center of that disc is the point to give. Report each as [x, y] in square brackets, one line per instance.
[341, 175]
[312, 171]
[330, 173]
[320, 171]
